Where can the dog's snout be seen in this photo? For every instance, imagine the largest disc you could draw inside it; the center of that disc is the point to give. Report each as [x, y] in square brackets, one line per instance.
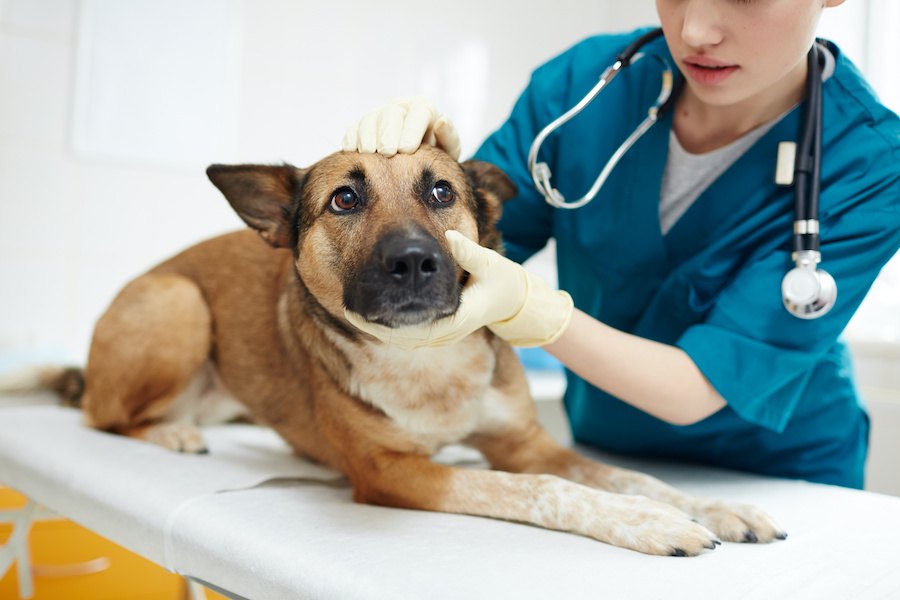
[408, 279]
[412, 264]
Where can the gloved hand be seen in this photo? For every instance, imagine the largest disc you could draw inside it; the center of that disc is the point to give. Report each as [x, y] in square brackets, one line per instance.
[402, 126]
[500, 294]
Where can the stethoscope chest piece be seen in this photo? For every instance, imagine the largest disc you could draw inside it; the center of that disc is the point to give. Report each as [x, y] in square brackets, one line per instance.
[808, 292]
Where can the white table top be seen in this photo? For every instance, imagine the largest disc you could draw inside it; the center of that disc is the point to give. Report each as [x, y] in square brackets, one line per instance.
[262, 524]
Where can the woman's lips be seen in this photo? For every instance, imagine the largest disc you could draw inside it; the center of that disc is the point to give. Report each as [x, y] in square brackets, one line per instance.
[706, 70]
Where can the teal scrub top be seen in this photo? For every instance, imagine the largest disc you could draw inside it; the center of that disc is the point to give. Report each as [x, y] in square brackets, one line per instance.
[712, 285]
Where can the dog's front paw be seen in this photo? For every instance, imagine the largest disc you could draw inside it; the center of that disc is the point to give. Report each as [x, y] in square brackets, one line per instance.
[739, 522]
[180, 437]
[655, 528]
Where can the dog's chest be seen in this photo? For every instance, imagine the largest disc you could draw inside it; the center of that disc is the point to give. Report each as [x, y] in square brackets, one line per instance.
[437, 395]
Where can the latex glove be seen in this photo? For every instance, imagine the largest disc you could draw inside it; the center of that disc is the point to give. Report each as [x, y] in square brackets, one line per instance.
[515, 304]
[402, 126]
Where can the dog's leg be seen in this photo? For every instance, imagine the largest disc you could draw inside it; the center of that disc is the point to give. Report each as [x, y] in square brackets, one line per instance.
[532, 450]
[146, 349]
[411, 481]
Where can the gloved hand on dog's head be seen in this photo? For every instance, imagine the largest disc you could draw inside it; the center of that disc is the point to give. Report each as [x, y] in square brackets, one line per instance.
[402, 126]
[500, 294]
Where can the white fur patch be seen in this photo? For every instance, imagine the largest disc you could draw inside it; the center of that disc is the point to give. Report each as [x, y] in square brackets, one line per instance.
[496, 410]
[439, 395]
[205, 401]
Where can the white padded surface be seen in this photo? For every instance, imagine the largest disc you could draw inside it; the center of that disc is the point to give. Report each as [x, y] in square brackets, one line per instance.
[262, 524]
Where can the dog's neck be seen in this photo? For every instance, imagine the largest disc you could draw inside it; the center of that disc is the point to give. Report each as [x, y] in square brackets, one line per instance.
[434, 408]
[303, 322]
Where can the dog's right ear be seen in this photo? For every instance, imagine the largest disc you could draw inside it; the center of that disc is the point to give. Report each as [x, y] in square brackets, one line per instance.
[263, 196]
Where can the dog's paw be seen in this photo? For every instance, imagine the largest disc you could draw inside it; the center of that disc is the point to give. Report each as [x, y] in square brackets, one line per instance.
[180, 437]
[739, 522]
[655, 528]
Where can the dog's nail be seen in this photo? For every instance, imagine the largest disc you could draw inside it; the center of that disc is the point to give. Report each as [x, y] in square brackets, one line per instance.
[678, 552]
[781, 535]
[750, 537]
[717, 542]
[712, 545]
[203, 451]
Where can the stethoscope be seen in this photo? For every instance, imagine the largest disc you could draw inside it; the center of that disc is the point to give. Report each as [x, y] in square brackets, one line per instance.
[807, 291]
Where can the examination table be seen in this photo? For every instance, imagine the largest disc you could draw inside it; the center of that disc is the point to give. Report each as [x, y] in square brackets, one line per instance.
[256, 522]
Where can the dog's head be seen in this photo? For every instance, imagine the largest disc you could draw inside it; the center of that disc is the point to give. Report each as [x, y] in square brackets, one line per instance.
[367, 231]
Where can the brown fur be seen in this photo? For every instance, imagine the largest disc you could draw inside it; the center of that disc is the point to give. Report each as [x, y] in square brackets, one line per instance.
[260, 318]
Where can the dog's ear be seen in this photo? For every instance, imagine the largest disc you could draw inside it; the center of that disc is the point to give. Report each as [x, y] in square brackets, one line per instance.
[263, 196]
[492, 187]
[490, 178]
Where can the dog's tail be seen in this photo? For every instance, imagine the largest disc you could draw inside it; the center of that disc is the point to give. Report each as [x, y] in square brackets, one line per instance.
[66, 382]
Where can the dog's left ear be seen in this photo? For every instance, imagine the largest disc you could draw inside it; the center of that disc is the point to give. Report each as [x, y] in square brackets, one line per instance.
[263, 196]
[490, 178]
[492, 187]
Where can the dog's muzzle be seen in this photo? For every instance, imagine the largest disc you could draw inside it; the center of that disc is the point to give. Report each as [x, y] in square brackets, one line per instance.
[408, 280]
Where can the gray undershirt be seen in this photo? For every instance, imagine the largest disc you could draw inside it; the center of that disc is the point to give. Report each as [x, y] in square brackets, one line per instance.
[687, 176]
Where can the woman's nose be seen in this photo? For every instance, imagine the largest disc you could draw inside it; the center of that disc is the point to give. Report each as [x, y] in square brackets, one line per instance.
[702, 24]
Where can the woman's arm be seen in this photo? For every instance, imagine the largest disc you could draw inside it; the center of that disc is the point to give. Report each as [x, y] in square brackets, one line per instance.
[658, 379]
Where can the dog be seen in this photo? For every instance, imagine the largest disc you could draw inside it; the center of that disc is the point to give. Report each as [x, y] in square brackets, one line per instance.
[251, 325]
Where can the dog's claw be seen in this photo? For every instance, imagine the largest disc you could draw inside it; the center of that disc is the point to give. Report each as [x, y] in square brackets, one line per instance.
[781, 535]
[186, 450]
[678, 552]
[750, 537]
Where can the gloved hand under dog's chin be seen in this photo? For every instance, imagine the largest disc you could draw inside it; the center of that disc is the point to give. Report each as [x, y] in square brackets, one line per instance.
[501, 295]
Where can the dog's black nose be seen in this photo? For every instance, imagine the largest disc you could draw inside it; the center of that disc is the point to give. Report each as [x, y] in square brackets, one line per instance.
[407, 280]
[411, 262]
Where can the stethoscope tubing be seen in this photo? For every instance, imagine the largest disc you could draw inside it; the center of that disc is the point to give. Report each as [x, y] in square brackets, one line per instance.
[540, 171]
[807, 172]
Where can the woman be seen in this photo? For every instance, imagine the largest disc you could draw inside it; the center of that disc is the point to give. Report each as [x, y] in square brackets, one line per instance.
[680, 345]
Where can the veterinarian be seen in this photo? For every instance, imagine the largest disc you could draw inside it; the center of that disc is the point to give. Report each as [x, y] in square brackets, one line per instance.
[679, 343]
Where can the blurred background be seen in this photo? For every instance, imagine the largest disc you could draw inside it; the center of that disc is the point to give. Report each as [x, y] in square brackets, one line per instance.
[110, 110]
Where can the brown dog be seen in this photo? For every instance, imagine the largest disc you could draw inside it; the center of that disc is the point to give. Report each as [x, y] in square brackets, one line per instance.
[242, 325]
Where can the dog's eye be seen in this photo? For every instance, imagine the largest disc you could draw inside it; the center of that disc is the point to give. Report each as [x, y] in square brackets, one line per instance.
[442, 193]
[343, 200]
